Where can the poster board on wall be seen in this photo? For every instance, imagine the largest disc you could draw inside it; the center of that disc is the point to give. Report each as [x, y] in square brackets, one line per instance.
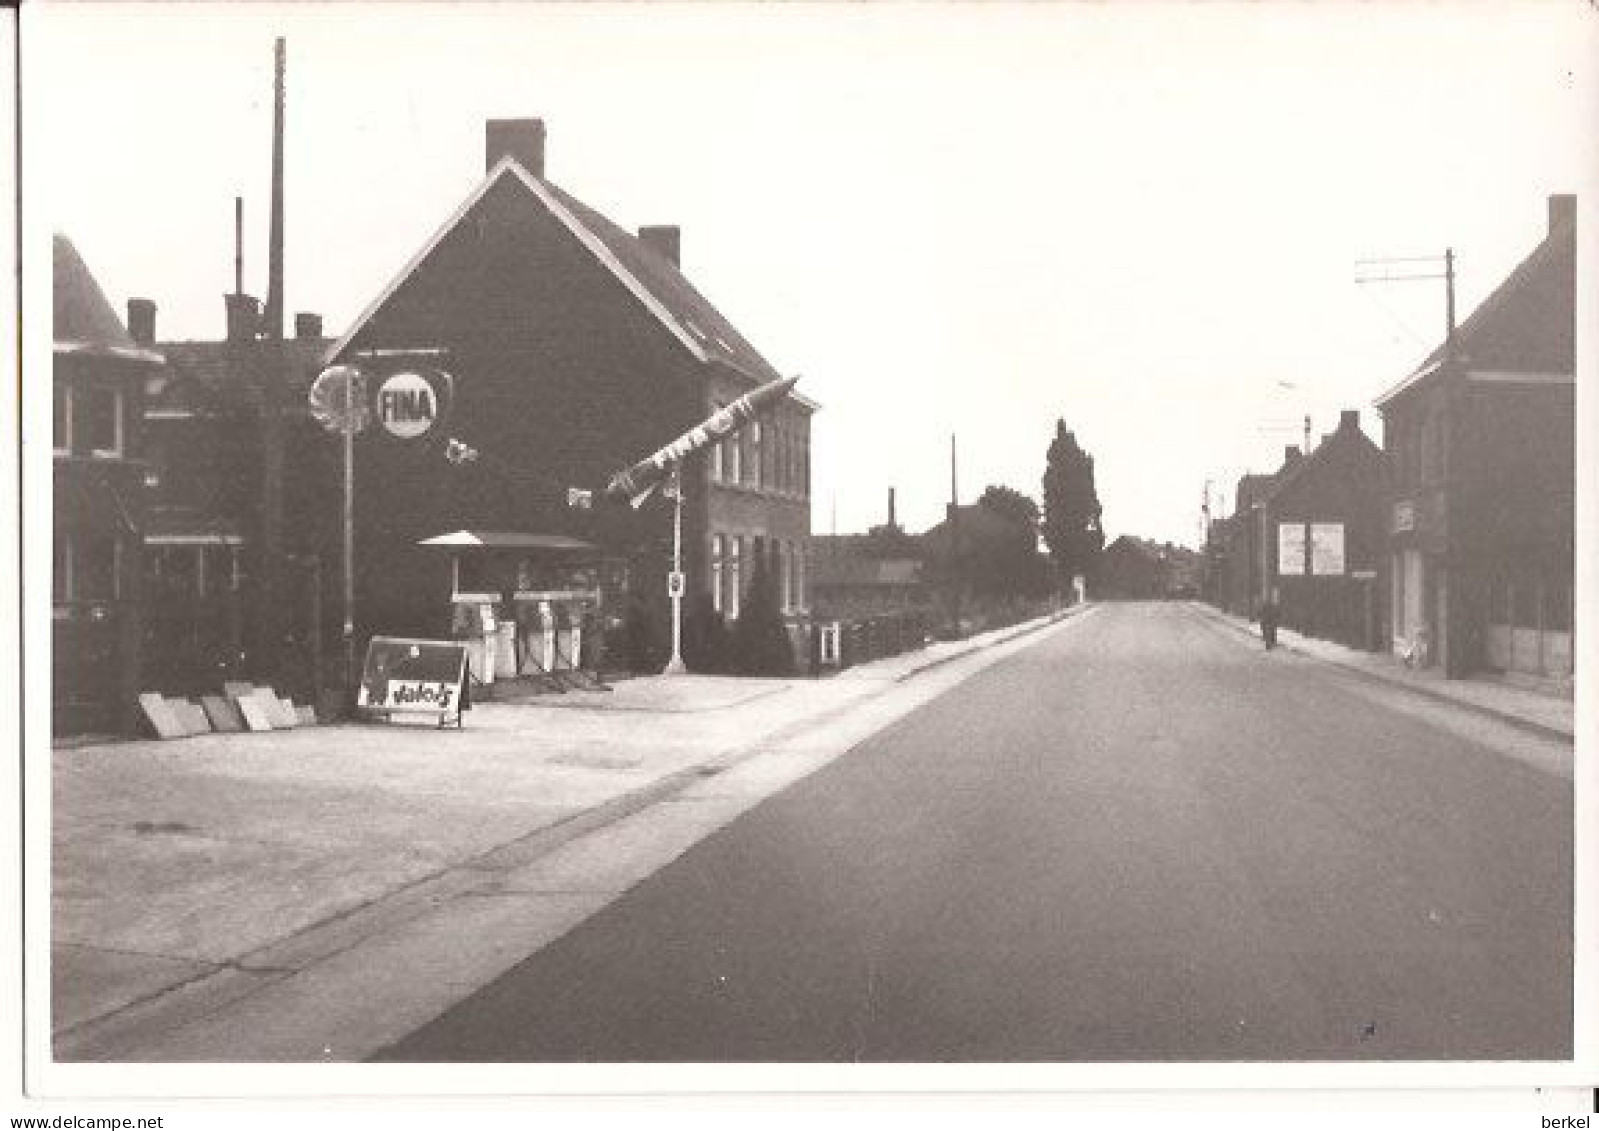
[1327, 549]
[1290, 548]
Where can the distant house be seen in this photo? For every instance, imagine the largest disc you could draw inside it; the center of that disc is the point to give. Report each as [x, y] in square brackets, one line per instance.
[1481, 446]
[100, 378]
[859, 575]
[1238, 553]
[574, 348]
[1138, 569]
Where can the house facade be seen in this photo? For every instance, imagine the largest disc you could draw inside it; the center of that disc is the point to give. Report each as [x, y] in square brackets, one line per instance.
[99, 381]
[242, 531]
[1481, 442]
[1327, 547]
[572, 348]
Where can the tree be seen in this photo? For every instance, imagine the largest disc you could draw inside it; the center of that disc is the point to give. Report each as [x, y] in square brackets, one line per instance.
[759, 642]
[1072, 528]
[1011, 503]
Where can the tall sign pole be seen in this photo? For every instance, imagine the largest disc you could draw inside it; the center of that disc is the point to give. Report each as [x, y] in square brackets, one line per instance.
[350, 422]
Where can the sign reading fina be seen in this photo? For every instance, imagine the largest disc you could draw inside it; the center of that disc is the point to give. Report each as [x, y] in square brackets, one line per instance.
[407, 405]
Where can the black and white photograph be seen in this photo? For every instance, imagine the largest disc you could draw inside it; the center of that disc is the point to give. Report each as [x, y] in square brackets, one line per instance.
[807, 547]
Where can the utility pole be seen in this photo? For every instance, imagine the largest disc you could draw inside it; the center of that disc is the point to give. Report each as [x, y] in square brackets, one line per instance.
[1430, 268]
[271, 381]
[954, 536]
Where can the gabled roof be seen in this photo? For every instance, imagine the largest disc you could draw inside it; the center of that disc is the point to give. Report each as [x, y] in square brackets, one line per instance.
[85, 322]
[1346, 434]
[1526, 326]
[658, 286]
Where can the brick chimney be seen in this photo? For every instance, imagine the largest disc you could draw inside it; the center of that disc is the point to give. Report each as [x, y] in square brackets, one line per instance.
[521, 139]
[141, 321]
[1562, 211]
[307, 325]
[665, 240]
[1349, 420]
[1291, 455]
[244, 317]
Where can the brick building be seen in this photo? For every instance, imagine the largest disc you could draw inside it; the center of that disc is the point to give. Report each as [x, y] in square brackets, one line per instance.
[1326, 544]
[1481, 442]
[100, 377]
[573, 348]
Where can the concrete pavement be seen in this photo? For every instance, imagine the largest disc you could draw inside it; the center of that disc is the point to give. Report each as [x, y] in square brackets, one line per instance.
[1547, 714]
[313, 894]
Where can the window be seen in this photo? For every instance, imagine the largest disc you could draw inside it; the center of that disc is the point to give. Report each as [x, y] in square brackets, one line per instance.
[799, 578]
[735, 457]
[94, 568]
[785, 576]
[734, 594]
[756, 452]
[718, 548]
[63, 420]
[172, 572]
[97, 414]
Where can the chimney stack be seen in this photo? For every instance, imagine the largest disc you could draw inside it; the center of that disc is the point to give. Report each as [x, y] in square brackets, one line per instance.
[141, 321]
[665, 240]
[1349, 420]
[1291, 455]
[1562, 211]
[892, 525]
[307, 325]
[244, 317]
[521, 139]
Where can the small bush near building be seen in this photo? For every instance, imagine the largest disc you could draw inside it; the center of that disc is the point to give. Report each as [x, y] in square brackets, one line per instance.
[760, 644]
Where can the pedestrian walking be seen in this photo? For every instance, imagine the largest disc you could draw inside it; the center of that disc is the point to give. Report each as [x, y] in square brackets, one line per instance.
[1268, 622]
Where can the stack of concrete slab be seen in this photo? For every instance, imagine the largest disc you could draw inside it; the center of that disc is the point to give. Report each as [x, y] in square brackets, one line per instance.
[241, 707]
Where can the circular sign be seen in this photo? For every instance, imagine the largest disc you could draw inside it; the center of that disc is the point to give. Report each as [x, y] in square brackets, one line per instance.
[338, 399]
[407, 406]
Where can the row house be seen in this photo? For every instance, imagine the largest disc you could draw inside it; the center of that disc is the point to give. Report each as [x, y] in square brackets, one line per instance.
[1310, 536]
[1481, 447]
[100, 378]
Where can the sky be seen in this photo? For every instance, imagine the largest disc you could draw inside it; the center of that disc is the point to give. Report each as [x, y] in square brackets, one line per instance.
[1143, 220]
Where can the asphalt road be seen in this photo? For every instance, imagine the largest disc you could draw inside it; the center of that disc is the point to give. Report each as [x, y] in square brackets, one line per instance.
[1143, 839]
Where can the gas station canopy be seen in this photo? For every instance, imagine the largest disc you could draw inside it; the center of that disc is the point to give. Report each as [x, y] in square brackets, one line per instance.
[500, 540]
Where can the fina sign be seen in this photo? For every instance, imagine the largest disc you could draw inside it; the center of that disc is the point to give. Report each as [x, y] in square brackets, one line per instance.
[407, 405]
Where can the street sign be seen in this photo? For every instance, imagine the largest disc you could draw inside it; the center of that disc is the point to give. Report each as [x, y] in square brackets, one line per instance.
[338, 399]
[674, 583]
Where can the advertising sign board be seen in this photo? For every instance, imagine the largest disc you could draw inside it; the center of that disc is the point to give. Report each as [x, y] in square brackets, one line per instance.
[1327, 549]
[407, 405]
[1290, 548]
[403, 675]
